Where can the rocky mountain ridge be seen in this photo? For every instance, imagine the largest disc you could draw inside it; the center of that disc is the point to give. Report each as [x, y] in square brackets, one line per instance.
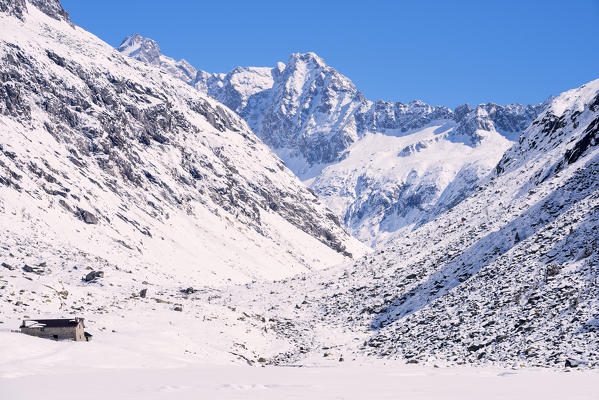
[18, 8]
[304, 103]
[322, 127]
[148, 51]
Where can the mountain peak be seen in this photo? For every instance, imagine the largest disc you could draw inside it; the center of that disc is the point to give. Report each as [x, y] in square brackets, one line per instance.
[52, 8]
[308, 58]
[132, 39]
[147, 50]
[140, 48]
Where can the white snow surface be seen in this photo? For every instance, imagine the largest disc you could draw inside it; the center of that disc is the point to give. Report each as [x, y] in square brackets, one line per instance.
[32, 368]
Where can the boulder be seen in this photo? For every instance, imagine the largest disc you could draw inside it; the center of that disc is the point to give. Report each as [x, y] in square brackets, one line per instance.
[86, 216]
[33, 270]
[572, 363]
[7, 266]
[93, 275]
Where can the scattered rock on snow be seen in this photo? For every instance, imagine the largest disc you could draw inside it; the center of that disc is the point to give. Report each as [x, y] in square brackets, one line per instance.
[7, 266]
[33, 270]
[93, 275]
[86, 216]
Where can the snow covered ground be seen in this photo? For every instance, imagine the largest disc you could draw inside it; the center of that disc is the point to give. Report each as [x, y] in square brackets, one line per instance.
[32, 368]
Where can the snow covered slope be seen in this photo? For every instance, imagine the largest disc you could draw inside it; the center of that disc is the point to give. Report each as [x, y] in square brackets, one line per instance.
[510, 275]
[383, 167]
[123, 164]
[386, 185]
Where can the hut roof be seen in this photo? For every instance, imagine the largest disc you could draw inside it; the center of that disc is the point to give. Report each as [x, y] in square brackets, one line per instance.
[52, 323]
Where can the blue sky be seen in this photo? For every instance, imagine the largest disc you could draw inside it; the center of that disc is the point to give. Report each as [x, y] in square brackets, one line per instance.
[442, 52]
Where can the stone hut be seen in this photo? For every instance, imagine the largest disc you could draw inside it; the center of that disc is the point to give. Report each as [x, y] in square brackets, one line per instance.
[57, 329]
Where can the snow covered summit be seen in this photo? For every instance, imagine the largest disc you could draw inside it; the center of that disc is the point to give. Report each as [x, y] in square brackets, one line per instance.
[148, 51]
[383, 167]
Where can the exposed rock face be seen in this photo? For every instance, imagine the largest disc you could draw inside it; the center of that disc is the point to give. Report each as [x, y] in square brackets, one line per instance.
[509, 120]
[318, 122]
[18, 8]
[13, 7]
[570, 124]
[53, 8]
[385, 115]
[306, 111]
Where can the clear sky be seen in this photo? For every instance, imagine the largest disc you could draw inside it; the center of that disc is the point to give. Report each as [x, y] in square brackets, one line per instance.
[442, 52]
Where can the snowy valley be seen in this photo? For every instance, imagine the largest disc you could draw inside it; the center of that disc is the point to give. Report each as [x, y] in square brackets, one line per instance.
[200, 223]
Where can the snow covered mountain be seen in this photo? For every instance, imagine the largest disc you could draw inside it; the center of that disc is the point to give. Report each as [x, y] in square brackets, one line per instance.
[511, 272]
[115, 162]
[147, 50]
[383, 167]
[125, 193]
[508, 276]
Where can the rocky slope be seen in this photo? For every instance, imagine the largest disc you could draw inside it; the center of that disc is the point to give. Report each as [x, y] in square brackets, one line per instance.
[509, 276]
[109, 159]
